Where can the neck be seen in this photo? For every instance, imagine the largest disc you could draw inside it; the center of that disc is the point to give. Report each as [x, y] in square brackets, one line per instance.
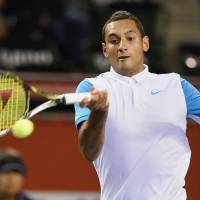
[131, 73]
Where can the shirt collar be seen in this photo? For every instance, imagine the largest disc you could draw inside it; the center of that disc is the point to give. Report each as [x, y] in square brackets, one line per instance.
[137, 77]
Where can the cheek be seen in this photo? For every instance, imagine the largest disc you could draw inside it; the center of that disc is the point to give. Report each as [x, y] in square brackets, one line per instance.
[112, 56]
[137, 51]
[3, 184]
[11, 184]
[17, 182]
[111, 50]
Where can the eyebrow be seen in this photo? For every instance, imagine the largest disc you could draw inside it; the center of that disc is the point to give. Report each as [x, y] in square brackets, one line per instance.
[127, 32]
[130, 31]
[112, 34]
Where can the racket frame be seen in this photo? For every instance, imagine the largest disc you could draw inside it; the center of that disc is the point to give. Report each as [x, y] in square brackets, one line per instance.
[53, 99]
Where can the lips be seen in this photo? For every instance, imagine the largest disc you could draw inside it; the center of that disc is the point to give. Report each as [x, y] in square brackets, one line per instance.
[123, 57]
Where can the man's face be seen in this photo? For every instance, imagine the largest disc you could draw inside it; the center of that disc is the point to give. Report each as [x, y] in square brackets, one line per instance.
[124, 47]
[11, 183]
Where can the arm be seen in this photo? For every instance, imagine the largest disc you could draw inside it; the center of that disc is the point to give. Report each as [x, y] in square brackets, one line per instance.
[91, 132]
[90, 119]
[192, 97]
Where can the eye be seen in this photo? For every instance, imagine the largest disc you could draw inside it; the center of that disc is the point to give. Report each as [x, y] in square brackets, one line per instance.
[114, 41]
[130, 38]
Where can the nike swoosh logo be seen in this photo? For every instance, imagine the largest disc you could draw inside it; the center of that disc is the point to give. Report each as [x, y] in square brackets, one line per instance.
[154, 92]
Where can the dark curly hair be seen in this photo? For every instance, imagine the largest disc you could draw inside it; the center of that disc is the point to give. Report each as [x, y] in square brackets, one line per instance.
[122, 14]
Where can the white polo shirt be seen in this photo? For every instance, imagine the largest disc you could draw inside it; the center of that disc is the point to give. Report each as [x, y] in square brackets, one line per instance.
[145, 155]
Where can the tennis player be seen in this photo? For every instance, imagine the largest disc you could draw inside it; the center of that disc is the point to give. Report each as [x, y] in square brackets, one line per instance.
[134, 127]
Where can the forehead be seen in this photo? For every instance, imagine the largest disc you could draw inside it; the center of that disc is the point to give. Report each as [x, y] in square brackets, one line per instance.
[121, 27]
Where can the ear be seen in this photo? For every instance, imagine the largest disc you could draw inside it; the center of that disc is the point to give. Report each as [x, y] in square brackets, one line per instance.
[104, 49]
[145, 43]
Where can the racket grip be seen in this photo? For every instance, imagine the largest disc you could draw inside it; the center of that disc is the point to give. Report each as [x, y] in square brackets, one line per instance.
[72, 98]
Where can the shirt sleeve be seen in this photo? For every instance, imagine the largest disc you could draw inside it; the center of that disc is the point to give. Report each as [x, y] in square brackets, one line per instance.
[192, 97]
[82, 114]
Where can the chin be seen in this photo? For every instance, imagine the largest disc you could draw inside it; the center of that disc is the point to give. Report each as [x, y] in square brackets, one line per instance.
[123, 68]
[126, 67]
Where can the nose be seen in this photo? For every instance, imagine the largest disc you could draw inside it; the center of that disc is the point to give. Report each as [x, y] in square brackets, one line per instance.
[122, 46]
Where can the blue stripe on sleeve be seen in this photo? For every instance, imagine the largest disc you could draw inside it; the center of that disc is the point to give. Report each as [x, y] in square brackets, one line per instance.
[82, 114]
[192, 97]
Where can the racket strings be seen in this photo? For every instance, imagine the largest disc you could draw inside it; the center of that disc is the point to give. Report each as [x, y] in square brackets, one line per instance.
[12, 100]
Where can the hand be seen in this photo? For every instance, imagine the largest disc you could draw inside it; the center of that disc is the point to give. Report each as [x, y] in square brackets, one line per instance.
[98, 102]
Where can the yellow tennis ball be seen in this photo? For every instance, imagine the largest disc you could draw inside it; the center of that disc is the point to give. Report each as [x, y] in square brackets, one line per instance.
[23, 128]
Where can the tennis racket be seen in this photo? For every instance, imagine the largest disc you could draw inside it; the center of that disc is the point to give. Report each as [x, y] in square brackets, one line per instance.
[15, 100]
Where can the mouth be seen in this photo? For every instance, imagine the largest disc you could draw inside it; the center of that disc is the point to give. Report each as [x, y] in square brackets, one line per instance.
[123, 57]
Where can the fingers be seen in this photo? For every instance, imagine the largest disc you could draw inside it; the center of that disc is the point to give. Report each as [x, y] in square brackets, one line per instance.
[99, 100]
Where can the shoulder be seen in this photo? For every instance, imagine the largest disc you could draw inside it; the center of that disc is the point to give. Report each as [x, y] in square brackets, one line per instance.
[169, 78]
[165, 80]
[97, 82]
[84, 86]
[172, 75]
[168, 82]
[188, 88]
[88, 83]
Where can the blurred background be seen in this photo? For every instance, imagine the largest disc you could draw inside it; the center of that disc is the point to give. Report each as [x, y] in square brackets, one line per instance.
[55, 44]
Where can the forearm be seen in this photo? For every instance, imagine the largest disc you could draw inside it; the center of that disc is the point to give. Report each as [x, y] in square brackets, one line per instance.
[91, 134]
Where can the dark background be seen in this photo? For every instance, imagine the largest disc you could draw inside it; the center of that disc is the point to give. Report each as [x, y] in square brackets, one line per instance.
[65, 35]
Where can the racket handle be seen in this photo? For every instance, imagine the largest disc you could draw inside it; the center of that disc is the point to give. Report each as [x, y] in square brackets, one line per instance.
[72, 98]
